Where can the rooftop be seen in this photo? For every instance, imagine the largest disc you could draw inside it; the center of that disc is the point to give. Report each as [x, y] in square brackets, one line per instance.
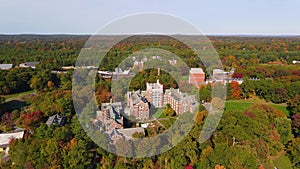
[196, 70]
[6, 137]
[6, 66]
[56, 119]
[156, 85]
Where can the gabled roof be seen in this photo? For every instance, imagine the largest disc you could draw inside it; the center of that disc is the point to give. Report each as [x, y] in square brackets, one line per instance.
[56, 119]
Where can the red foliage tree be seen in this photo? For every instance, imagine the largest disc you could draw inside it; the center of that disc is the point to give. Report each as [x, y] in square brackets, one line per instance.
[237, 75]
[103, 95]
[32, 119]
[296, 120]
[6, 120]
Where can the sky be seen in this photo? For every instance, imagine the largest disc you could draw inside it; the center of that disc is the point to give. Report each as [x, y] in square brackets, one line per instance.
[262, 17]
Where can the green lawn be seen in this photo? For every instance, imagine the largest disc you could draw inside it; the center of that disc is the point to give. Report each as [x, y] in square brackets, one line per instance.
[8, 97]
[237, 105]
[158, 113]
[242, 105]
[168, 123]
[283, 162]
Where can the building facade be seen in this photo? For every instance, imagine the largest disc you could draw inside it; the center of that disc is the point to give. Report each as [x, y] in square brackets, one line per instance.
[180, 102]
[156, 94]
[139, 105]
[140, 102]
[196, 77]
[110, 116]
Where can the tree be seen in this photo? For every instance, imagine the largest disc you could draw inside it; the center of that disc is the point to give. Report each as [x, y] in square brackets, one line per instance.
[296, 124]
[248, 88]
[18, 152]
[293, 151]
[7, 122]
[281, 95]
[32, 119]
[294, 105]
[2, 99]
[235, 90]
[205, 93]
[39, 82]
[219, 167]
[168, 111]
[77, 156]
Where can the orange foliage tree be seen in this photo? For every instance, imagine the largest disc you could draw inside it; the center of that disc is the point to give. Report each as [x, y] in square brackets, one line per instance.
[236, 91]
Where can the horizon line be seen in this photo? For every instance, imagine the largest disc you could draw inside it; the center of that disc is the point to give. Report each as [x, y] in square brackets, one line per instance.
[204, 34]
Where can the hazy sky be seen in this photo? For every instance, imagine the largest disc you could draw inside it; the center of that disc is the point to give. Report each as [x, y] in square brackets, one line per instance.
[210, 16]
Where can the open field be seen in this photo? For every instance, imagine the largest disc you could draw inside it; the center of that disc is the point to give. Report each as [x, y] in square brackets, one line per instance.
[158, 113]
[242, 105]
[12, 96]
[168, 123]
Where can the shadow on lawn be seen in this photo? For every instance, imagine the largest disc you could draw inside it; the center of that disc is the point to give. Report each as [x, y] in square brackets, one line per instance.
[12, 105]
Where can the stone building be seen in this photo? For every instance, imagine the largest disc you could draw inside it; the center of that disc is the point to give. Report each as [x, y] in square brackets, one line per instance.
[140, 102]
[110, 116]
[180, 102]
[139, 105]
[156, 94]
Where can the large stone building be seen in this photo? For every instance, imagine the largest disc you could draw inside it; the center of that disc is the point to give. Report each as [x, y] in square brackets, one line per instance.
[223, 77]
[180, 102]
[196, 77]
[156, 94]
[110, 116]
[138, 104]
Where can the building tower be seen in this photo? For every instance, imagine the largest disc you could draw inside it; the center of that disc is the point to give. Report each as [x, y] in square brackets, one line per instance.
[156, 94]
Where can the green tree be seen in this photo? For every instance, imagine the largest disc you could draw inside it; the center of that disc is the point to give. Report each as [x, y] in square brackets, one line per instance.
[293, 151]
[205, 93]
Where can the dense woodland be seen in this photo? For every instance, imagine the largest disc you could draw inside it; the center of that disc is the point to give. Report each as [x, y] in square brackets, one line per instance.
[260, 136]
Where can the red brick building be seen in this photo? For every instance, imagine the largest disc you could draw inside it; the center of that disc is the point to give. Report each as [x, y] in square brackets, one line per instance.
[180, 102]
[196, 77]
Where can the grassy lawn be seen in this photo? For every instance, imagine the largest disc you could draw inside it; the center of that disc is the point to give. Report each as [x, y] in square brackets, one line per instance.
[158, 113]
[237, 105]
[9, 97]
[283, 162]
[242, 105]
[280, 107]
[168, 123]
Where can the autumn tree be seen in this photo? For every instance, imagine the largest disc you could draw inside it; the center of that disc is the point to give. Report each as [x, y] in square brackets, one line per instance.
[235, 90]
[296, 124]
[32, 119]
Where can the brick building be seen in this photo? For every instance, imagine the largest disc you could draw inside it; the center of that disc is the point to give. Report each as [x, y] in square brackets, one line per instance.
[196, 77]
[139, 105]
[180, 102]
[139, 101]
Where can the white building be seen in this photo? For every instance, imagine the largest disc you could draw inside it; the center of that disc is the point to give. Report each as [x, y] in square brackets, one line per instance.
[156, 93]
[6, 66]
